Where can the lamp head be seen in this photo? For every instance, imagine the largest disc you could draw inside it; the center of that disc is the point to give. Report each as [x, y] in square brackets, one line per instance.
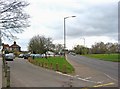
[73, 16]
[69, 17]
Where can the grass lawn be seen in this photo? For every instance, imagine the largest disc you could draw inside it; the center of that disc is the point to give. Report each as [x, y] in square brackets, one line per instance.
[57, 60]
[105, 57]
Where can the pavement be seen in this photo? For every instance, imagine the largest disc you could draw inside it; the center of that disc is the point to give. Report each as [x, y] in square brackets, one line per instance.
[88, 73]
[0, 72]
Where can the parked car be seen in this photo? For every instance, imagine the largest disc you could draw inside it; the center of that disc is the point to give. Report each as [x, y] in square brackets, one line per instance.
[43, 55]
[9, 57]
[21, 56]
[72, 53]
[36, 56]
[26, 56]
[31, 55]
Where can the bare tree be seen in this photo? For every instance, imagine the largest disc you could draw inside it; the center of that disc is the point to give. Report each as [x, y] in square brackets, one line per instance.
[12, 17]
[39, 44]
[99, 48]
[80, 49]
[102, 48]
[59, 48]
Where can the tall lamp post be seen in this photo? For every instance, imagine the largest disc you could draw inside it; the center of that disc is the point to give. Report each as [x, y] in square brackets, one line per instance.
[65, 32]
[84, 45]
[0, 40]
[84, 41]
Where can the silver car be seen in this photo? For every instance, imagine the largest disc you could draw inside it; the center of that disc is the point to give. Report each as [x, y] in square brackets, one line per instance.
[9, 57]
[36, 55]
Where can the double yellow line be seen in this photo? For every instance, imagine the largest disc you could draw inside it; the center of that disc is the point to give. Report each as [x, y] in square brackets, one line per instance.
[102, 85]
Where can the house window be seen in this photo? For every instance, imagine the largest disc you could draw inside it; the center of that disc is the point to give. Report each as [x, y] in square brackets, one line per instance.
[10, 49]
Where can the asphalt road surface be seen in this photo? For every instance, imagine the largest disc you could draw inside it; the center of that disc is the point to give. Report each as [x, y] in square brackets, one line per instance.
[25, 74]
[106, 68]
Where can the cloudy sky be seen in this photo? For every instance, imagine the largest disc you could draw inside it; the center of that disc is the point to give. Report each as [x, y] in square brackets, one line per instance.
[96, 21]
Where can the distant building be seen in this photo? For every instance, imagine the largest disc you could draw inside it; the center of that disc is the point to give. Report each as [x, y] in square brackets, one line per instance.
[13, 47]
[5, 46]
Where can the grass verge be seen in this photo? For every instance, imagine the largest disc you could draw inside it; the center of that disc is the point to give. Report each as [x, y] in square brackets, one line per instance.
[57, 63]
[105, 57]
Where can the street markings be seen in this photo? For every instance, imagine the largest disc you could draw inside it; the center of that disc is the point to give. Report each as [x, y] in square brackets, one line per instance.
[110, 77]
[83, 79]
[102, 85]
[88, 78]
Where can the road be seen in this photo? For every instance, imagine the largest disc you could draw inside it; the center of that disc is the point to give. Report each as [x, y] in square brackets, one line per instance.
[104, 68]
[25, 74]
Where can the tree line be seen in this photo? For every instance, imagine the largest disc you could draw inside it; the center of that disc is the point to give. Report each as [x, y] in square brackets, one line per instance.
[41, 44]
[98, 48]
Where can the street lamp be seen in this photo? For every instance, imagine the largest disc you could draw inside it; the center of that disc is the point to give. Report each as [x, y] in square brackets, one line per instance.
[84, 41]
[65, 31]
[0, 40]
[84, 46]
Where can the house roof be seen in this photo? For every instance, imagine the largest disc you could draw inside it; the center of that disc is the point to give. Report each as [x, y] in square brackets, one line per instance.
[6, 45]
[15, 45]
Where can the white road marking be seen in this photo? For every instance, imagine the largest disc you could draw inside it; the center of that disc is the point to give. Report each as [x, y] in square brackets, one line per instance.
[76, 75]
[110, 77]
[88, 78]
[83, 79]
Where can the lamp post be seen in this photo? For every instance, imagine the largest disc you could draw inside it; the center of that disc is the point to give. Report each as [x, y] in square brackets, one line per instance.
[84, 41]
[84, 45]
[65, 31]
[0, 40]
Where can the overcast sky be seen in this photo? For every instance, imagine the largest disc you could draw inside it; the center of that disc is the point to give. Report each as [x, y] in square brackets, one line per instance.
[96, 21]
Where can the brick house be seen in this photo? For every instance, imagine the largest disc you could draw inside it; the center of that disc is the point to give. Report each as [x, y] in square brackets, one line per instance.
[6, 47]
[13, 47]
